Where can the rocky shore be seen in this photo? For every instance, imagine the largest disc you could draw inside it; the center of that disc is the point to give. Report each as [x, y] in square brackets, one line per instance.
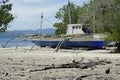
[45, 64]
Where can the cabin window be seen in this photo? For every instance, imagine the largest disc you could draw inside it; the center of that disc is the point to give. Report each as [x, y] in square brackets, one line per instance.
[76, 27]
[73, 27]
[79, 27]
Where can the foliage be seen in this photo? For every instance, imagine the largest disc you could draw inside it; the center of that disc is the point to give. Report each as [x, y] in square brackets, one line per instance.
[112, 21]
[63, 16]
[103, 15]
[5, 16]
[61, 28]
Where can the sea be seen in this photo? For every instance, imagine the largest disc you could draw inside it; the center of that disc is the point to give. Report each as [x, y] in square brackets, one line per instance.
[13, 40]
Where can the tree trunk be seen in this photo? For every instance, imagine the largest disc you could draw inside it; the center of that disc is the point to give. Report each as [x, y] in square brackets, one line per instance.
[118, 48]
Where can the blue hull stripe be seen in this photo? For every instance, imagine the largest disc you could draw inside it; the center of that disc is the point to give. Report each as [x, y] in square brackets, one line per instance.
[72, 44]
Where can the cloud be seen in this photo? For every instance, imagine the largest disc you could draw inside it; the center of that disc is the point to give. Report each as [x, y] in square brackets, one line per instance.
[34, 1]
[29, 12]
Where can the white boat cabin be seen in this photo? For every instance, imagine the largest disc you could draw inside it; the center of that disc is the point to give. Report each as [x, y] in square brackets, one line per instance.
[74, 29]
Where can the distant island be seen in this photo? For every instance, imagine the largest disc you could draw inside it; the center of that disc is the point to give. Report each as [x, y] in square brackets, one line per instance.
[47, 31]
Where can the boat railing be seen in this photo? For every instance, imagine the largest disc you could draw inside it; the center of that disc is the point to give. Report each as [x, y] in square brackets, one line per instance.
[81, 37]
[76, 37]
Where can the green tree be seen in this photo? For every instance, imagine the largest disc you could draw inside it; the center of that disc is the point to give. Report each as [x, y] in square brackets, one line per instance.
[108, 14]
[104, 15]
[96, 14]
[63, 16]
[5, 16]
[115, 29]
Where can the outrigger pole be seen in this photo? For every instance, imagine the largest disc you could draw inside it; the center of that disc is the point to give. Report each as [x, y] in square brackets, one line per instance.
[4, 46]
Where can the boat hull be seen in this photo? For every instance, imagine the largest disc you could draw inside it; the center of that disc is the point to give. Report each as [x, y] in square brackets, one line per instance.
[72, 44]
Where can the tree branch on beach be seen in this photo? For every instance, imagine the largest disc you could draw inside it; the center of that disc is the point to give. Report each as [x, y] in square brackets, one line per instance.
[75, 64]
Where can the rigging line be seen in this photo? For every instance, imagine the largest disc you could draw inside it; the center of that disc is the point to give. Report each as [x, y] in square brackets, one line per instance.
[49, 17]
[35, 23]
[44, 18]
[47, 20]
[30, 26]
[33, 27]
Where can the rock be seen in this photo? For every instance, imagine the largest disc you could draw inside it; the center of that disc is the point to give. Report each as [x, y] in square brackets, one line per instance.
[54, 58]
[21, 61]
[78, 78]
[82, 58]
[73, 61]
[107, 71]
[6, 74]
[53, 64]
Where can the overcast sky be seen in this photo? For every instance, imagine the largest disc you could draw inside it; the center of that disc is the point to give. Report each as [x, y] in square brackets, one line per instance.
[28, 13]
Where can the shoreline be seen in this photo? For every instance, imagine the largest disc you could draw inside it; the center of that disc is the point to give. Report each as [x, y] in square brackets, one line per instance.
[22, 64]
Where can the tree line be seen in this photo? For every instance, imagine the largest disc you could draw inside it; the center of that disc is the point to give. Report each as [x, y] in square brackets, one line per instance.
[101, 16]
[98, 13]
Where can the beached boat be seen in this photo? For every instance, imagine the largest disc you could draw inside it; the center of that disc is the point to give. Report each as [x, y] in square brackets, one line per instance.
[76, 37]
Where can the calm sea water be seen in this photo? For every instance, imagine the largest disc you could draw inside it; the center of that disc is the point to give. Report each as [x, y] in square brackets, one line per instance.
[13, 41]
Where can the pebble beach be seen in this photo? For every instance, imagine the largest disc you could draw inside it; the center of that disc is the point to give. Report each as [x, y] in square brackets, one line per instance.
[66, 64]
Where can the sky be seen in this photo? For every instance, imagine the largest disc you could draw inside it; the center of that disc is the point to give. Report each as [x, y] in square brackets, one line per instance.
[28, 13]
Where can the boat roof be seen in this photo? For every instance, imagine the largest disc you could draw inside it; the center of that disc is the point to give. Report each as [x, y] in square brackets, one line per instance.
[74, 24]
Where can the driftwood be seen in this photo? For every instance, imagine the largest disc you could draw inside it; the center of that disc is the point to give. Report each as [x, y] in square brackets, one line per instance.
[80, 78]
[74, 64]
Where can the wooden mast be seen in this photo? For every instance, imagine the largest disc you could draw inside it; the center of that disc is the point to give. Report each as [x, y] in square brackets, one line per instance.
[94, 16]
[41, 24]
[69, 16]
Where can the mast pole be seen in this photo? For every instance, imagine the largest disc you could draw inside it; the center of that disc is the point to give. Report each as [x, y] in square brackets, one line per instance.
[94, 16]
[94, 13]
[41, 24]
[94, 22]
[69, 16]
